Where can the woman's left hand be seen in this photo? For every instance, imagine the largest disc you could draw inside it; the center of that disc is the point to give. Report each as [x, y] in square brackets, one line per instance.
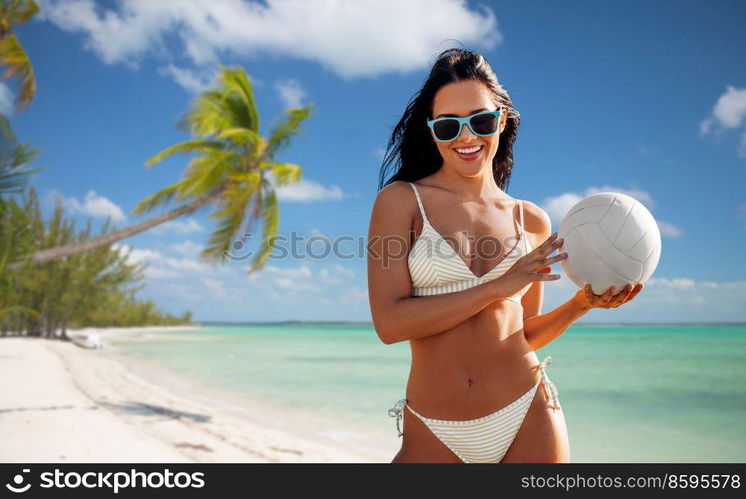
[608, 299]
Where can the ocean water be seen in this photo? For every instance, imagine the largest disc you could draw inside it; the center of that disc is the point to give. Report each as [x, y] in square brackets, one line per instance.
[630, 393]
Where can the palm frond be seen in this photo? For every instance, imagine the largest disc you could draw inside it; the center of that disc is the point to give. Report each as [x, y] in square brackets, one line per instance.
[14, 57]
[164, 196]
[14, 159]
[234, 202]
[240, 136]
[206, 172]
[186, 147]
[14, 179]
[270, 223]
[282, 132]
[18, 11]
[208, 115]
[239, 96]
[247, 177]
[283, 173]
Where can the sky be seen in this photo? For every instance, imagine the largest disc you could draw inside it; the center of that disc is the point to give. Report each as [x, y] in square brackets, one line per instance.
[645, 98]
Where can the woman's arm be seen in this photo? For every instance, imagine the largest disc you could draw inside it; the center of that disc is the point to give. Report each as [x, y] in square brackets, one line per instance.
[397, 316]
[541, 330]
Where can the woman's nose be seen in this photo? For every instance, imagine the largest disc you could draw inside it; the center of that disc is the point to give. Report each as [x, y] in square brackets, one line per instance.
[465, 131]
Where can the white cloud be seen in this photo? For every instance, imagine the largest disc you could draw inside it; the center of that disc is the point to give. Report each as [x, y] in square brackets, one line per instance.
[337, 274]
[683, 292]
[302, 272]
[679, 284]
[185, 292]
[730, 109]
[290, 92]
[684, 284]
[179, 226]
[705, 126]
[668, 229]
[192, 80]
[186, 248]
[161, 265]
[153, 272]
[287, 281]
[307, 191]
[353, 294]
[6, 100]
[227, 292]
[556, 207]
[214, 287]
[742, 146]
[139, 255]
[352, 39]
[93, 205]
[728, 113]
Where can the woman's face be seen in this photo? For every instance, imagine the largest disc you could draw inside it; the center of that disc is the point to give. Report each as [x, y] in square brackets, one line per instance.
[462, 99]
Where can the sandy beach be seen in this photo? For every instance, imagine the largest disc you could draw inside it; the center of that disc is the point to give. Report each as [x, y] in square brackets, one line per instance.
[64, 403]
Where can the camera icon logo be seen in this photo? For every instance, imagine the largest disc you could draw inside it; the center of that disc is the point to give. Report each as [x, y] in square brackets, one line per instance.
[18, 480]
[236, 249]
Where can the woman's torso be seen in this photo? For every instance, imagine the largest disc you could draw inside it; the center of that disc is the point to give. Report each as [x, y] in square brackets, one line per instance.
[476, 367]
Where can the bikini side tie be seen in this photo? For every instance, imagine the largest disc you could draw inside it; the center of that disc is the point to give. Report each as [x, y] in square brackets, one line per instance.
[549, 388]
[397, 412]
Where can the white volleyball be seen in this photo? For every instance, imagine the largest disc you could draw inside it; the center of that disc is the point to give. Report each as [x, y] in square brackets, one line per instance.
[611, 239]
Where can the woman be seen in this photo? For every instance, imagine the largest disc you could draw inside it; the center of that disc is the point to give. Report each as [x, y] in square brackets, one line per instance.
[456, 267]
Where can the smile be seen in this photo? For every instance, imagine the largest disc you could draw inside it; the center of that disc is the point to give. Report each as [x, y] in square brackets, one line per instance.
[469, 152]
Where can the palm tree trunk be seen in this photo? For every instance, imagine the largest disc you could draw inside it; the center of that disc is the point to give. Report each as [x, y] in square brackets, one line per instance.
[111, 237]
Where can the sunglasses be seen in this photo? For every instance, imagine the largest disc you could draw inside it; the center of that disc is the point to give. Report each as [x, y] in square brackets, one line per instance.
[483, 123]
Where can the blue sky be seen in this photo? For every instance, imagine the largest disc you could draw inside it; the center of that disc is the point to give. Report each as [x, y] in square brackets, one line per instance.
[647, 98]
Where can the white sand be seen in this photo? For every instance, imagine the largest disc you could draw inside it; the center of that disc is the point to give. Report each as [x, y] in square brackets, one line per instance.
[63, 403]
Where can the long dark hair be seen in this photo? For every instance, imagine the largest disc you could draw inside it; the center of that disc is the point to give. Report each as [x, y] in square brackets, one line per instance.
[411, 151]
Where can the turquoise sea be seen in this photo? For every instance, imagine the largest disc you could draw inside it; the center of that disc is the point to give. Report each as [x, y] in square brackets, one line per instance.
[630, 393]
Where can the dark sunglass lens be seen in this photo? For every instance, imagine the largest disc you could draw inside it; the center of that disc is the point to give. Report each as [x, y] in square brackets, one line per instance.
[446, 129]
[484, 123]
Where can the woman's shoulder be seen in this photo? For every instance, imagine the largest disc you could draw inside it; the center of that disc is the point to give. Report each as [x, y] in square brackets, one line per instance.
[394, 193]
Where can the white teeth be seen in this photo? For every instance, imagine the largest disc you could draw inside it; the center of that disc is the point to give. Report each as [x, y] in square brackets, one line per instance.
[469, 150]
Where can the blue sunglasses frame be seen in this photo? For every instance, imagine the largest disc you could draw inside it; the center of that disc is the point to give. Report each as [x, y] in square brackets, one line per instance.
[466, 120]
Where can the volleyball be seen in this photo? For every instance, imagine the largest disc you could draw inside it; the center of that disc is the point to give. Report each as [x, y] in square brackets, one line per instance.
[611, 239]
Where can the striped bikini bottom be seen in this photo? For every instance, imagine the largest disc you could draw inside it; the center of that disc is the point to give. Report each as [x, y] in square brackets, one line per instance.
[485, 439]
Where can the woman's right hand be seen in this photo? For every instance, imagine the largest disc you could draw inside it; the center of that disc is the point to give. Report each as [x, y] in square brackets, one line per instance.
[531, 267]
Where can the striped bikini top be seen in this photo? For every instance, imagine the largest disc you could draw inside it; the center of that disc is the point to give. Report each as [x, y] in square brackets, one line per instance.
[436, 271]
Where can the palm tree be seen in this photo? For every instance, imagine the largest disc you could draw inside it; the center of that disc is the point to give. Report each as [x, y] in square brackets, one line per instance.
[235, 172]
[14, 158]
[12, 54]
[15, 227]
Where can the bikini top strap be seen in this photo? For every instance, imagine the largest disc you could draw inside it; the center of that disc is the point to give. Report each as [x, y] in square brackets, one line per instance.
[520, 211]
[419, 201]
[523, 229]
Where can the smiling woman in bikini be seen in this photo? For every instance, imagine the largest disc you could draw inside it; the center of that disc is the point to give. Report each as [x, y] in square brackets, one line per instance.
[456, 267]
